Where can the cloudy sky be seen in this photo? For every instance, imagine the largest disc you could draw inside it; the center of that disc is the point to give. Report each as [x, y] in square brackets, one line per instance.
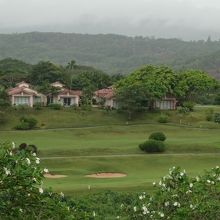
[186, 19]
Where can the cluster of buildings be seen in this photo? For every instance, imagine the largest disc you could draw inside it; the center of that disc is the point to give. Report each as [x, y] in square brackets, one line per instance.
[24, 94]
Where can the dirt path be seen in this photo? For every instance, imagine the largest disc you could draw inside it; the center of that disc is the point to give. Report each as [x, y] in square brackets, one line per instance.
[130, 155]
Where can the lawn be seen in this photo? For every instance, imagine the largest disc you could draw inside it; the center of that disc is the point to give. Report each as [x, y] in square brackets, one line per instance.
[76, 143]
[141, 171]
[77, 152]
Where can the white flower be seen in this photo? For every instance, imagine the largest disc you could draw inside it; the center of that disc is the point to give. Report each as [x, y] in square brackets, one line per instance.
[46, 170]
[10, 153]
[208, 181]
[161, 215]
[176, 204]
[197, 179]
[37, 160]
[145, 210]
[154, 184]
[28, 161]
[189, 191]
[181, 174]
[217, 167]
[20, 210]
[141, 197]
[34, 179]
[191, 206]
[7, 172]
[135, 209]
[93, 214]
[118, 217]
[34, 154]
[166, 204]
[41, 190]
[160, 183]
[29, 194]
[61, 194]
[191, 185]
[13, 145]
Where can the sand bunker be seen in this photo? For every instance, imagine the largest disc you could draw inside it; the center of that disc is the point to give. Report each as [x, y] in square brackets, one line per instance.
[53, 176]
[106, 175]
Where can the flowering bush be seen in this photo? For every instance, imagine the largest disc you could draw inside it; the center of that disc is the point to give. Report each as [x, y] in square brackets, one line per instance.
[179, 196]
[22, 195]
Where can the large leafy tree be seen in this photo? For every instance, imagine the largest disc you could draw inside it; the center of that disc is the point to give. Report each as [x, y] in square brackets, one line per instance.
[191, 84]
[46, 71]
[146, 84]
[96, 79]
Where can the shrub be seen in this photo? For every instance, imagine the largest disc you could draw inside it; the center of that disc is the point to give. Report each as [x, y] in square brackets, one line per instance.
[217, 100]
[163, 119]
[179, 196]
[158, 136]
[217, 117]
[55, 106]
[209, 114]
[22, 195]
[182, 110]
[2, 118]
[189, 105]
[152, 146]
[38, 106]
[26, 123]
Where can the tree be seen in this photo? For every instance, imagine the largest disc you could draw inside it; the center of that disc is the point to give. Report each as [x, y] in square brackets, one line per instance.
[191, 84]
[144, 86]
[46, 71]
[95, 78]
[4, 99]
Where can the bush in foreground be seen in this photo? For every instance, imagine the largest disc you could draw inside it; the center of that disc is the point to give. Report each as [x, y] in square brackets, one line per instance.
[152, 146]
[158, 136]
[22, 195]
[179, 196]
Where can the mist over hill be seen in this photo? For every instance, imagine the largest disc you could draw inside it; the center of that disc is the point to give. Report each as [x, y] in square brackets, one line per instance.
[112, 53]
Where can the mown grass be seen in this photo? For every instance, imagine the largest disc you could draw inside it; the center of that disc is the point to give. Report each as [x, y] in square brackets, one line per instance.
[191, 145]
[141, 171]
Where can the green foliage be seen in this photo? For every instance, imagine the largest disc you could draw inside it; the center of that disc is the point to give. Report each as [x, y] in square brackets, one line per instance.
[144, 85]
[13, 71]
[217, 117]
[55, 106]
[152, 146]
[94, 79]
[209, 114]
[112, 53]
[217, 99]
[3, 118]
[182, 110]
[45, 72]
[163, 118]
[191, 84]
[189, 105]
[179, 196]
[21, 193]
[26, 123]
[4, 99]
[159, 136]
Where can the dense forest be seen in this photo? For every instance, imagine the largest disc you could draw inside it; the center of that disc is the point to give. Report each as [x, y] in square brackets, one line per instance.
[112, 53]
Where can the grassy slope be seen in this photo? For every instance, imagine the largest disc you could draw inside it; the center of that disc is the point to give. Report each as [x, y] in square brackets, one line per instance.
[116, 139]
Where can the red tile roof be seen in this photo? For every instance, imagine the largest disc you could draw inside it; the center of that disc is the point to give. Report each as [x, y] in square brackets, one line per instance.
[70, 92]
[105, 93]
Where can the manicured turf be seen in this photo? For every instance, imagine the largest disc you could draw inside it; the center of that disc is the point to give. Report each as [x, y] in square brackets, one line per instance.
[82, 150]
[141, 171]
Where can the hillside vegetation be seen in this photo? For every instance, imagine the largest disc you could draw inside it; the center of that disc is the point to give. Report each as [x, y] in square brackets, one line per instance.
[111, 53]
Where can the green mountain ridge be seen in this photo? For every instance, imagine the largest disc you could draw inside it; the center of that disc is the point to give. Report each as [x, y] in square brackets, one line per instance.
[112, 53]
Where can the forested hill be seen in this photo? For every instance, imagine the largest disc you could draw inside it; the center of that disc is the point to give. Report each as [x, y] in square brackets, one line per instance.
[111, 53]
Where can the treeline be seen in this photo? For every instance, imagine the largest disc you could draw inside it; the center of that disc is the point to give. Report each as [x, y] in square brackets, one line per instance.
[43, 73]
[112, 53]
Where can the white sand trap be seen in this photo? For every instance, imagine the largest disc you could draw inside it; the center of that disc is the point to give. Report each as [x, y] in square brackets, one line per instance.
[53, 176]
[106, 175]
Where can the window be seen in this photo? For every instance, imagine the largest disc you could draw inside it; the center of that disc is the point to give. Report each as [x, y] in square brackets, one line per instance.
[21, 100]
